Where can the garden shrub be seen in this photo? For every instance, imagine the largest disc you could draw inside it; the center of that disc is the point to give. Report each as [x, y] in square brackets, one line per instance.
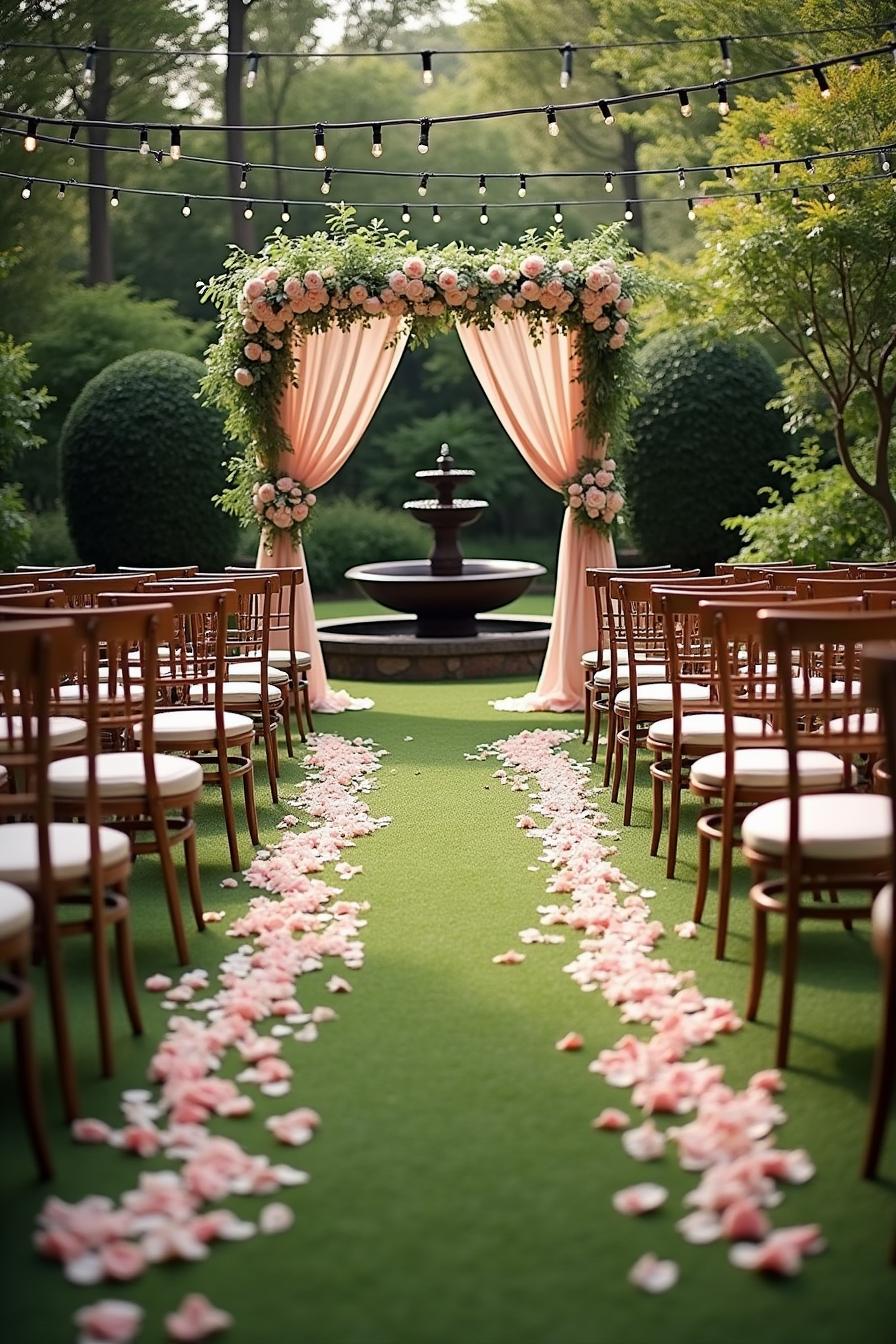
[141, 460]
[15, 529]
[51, 542]
[701, 443]
[350, 532]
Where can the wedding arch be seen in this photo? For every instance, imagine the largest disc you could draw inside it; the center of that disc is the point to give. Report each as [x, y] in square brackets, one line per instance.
[312, 330]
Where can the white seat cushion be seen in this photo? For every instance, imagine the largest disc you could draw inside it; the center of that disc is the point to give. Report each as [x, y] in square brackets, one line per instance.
[816, 687]
[766, 768]
[704, 730]
[236, 693]
[281, 658]
[647, 672]
[857, 723]
[593, 659]
[590, 659]
[64, 731]
[659, 696]
[74, 695]
[121, 774]
[195, 725]
[831, 826]
[252, 672]
[69, 852]
[16, 910]
[882, 920]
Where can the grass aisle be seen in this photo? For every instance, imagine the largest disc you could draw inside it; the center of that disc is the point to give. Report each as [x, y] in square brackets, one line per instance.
[458, 1194]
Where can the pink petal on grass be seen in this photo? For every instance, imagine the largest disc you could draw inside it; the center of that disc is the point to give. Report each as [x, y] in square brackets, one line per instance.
[687, 929]
[228, 883]
[336, 985]
[509, 958]
[642, 1198]
[214, 916]
[275, 1218]
[611, 1118]
[653, 1275]
[744, 1220]
[571, 1041]
[157, 984]
[769, 1080]
[109, 1320]
[700, 1227]
[196, 1319]
[89, 1130]
[646, 1143]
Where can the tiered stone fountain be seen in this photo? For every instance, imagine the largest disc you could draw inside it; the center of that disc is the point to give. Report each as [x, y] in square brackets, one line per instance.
[446, 595]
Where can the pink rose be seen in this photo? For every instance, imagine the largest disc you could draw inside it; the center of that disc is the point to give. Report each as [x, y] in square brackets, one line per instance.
[265, 356]
[601, 323]
[269, 512]
[610, 464]
[505, 303]
[398, 281]
[455, 298]
[372, 305]
[496, 273]
[285, 483]
[244, 377]
[575, 501]
[519, 301]
[266, 492]
[603, 479]
[313, 280]
[262, 309]
[252, 350]
[397, 308]
[357, 294]
[530, 290]
[621, 326]
[565, 267]
[413, 267]
[195, 1319]
[299, 512]
[293, 287]
[415, 288]
[588, 478]
[447, 278]
[387, 295]
[270, 274]
[575, 488]
[436, 308]
[250, 326]
[613, 291]
[608, 515]
[548, 302]
[532, 266]
[616, 342]
[253, 289]
[282, 518]
[615, 501]
[471, 304]
[109, 1321]
[624, 305]
[596, 498]
[311, 499]
[555, 288]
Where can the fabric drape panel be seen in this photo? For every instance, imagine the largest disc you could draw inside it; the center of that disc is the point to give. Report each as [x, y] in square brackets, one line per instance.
[340, 379]
[536, 395]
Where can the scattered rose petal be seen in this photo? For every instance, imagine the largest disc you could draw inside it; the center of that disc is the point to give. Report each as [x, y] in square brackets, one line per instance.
[688, 929]
[611, 1118]
[653, 1275]
[637, 1199]
[509, 958]
[196, 1319]
[700, 1227]
[646, 1143]
[157, 984]
[109, 1321]
[571, 1041]
[89, 1130]
[336, 985]
[275, 1218]
[228, 883]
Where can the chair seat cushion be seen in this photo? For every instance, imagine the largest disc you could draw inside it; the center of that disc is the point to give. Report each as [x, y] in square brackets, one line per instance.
[590, 658]
[281, 658]
[856, 723]
[882, 920]
[816, 687]
[766, 768]
[840, 826]
[77, 695]
[236, 693]
[659, 696]
[705, 730]
[196, 725]
[64, 731]
[69, 852]
[251, 671]
[647, 672]
[122, 774]
[16, 910]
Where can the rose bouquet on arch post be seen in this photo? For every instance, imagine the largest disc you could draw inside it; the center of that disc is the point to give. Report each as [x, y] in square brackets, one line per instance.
[592, 495]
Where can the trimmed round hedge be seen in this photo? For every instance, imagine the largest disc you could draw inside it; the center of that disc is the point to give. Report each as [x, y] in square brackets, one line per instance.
[141, 460]
[701, 442]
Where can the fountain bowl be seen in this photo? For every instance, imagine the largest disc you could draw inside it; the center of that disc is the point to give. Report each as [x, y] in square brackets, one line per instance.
[445, 605]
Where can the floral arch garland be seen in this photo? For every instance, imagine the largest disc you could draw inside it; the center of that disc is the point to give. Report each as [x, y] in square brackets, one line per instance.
[357, 274]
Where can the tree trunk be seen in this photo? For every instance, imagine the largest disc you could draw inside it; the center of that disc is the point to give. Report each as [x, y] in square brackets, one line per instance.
[879, 490]
[100, 269]
[629, 145]
[242, 230]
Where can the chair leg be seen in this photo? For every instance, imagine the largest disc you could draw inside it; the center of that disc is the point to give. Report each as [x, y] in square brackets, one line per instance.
[65, 1060]
[287, 720]
[251, 811]
[617, 769]
[788, 987]
[726, 858]
[703, 845]
[658, 806]
[127, 973]
[171, 884]
[674, 818]
[611, 743]
[757, 972]
[588, 696]
[884, 1071]
[631, 770]
[227, 807]
[99, 956]
[271, 762]
[306, 704]
[29, 1085]
[194, 884]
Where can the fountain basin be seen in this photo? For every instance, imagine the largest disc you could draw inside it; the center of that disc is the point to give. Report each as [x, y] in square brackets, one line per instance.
[446, 605]
[387, 648]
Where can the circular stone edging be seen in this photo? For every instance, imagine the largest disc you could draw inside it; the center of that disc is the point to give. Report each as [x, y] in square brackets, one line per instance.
[360, 649]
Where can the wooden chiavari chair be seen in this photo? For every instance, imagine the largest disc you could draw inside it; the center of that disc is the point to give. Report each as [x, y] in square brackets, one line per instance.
[161, 571]
[78, 870]
[282, 653]
[16, 1003]
[827, 841]
[85, 590]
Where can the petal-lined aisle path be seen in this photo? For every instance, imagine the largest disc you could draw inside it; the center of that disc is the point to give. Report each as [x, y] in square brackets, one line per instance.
[458, 1191]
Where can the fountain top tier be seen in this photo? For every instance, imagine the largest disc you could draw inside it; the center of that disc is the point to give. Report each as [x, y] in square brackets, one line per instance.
[446, 478]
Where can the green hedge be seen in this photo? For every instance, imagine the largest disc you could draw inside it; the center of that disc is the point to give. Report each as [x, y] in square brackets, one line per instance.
[141, 460]
[701, 443]
[350, 532]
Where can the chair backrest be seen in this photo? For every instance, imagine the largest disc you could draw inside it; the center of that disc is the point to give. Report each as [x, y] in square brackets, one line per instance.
[84, 590]
[744, 573]
[12, 599]
[729, 566]
[599, 580]
[17, 580]
[283, 616]
[250, 633]
[879, 599]
[875, 571]
[160, 571]
[16, 590]
[60, 571]
[825, 587]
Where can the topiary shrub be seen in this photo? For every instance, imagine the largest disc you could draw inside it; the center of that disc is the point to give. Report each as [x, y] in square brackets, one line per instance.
[350, 532]
[141, 460]
[701, 443]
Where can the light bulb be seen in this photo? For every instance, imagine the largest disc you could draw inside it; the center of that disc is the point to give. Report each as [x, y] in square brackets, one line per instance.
[422, 185]
[185, 208]
[426, 62]
[685, 101]
[72, 133]
[729, 173]
[829, 192]
[629, 212]
[681, 179]
[727, 64]
[608, 182]
[558, 215]
[144, 141]
[26, 190]
[566, 68]
[884, 161]
[325, 185]
[436, 215]
[724, 105]
[320, 148]
[692, 213]
[376, 141]
[795, 196]
[175, 143]
[823, 85]
[483, 216]
[757, 197]
[284, 213]
[89, 62]
[423, 142]
[249, 210]
[252, 70]
[606, 112]
[482, 184]
[553, 128]
[244, 175]
[113, 199]
[522, 186]
[810, 166]
[30, 141]
[60, 195]
[405, 214]
[776, 170]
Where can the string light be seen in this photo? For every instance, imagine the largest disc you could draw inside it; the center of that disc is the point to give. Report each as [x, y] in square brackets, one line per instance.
[885, 161]
[606, 112]
[252, 69]
[522, 187]
[810, 166]
[144, 141]
[684, 100]
[776, 170]
[244, 176]
[553, 128]
[608, 182]
[72, 133]
[724, 105]
[26, 190]
[376, 140]
[757, 197]
[795, 196]
[325, 184]
[60, 194]
[558, 215]
[113, 199]
[89, 63]
[30, 141]
[436, 215]
[426, 61]
[483, 188]
[681, 179]
[185, 208]
[175, 144]
[320, 147]
[692, 213]
[566, 52]
[727, 63]
[823, 85]
[423, 184]
[483, 215]
[284, 213]
[249, 210]
[829, 192]
[729, 173]
[629, 213]
[423, 141]
[405, 214]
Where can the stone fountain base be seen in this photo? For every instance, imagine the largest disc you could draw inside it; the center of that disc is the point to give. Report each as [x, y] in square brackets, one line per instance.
[374, 648]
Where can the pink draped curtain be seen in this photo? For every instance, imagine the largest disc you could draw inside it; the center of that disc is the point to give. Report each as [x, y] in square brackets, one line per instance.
[535, 394]
[340, 378]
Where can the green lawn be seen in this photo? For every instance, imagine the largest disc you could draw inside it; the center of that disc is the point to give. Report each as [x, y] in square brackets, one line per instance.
[531, 604]
[459, 1195]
